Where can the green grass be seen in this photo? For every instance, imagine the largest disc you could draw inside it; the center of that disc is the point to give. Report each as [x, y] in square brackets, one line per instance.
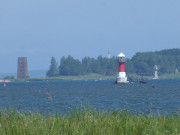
[91, 76]
[81, 77]
[88, 122]
[170, 76]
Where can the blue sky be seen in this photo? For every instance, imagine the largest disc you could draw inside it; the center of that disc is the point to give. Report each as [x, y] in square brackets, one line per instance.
[40, 29]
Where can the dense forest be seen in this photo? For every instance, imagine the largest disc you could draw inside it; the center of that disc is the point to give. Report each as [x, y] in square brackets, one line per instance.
[168, 61]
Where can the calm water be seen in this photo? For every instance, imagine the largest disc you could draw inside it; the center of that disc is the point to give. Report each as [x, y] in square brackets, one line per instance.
[102, 94]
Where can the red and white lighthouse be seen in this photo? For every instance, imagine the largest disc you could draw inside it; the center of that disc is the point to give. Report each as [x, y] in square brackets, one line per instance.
[122, 74]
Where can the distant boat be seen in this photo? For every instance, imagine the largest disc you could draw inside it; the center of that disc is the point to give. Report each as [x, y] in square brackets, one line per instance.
[142, 81]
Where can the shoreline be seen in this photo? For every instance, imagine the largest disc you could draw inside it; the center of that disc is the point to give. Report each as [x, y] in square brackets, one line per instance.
[93, 77]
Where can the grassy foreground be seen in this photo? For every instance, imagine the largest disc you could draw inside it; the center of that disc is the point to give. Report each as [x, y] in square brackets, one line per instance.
[88, 123]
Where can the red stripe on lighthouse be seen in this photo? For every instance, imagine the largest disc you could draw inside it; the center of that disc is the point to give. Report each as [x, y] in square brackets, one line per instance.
[121, 67]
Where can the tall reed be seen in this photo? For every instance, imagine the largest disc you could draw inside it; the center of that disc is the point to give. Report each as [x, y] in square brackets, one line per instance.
[88, 122]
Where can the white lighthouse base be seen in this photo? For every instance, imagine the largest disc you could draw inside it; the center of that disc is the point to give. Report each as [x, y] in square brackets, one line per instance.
[122, 79]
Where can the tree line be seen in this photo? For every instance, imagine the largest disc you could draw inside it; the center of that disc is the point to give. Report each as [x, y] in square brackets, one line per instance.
[168, 61]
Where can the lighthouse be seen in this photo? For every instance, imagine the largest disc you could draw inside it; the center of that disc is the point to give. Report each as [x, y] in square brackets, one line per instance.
[155, 72]
[122, 74]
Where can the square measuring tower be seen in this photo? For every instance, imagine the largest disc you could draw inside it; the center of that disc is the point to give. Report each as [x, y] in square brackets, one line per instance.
[22, 71]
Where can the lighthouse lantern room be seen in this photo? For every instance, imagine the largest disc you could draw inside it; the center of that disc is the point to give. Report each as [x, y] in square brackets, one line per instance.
[122, 74]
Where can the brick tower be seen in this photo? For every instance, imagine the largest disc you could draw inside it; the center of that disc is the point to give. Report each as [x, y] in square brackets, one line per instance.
[22, 71]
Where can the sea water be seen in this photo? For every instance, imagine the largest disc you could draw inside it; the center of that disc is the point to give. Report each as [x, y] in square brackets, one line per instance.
[60, 96]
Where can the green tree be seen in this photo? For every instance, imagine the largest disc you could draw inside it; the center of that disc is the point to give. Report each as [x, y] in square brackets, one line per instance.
[86, 65]
[141, 63]
[9, 77]
[53, 70]
[69, 66]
